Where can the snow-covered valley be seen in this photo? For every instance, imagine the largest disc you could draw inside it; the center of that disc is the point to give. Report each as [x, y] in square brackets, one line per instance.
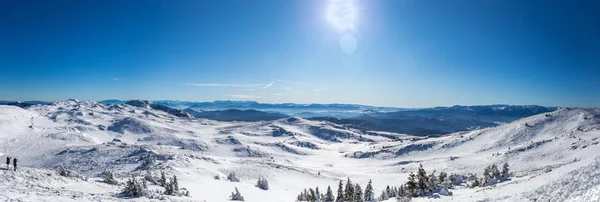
[552, 156]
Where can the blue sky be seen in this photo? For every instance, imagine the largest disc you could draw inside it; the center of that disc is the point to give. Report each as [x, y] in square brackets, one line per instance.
[417, 53]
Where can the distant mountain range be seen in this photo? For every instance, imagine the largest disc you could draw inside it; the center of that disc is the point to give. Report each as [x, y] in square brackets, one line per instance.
[236, 115]
[23, 104]
[418, 121]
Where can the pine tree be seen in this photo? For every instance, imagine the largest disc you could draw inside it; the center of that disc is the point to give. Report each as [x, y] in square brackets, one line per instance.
[505, 171]
[311, 195]
[358, 195]
[133, 188]
[175, 184]
[495, 172]
[388, 191]
[340, 193]
[486, 175]
[329, 196]
[422, 181]
[163, 179]
[401, 191]
[317, 194]
[369, 195]
[411, 185]
[349, 191]
[169, 188]
[305, 195]
[383, 196]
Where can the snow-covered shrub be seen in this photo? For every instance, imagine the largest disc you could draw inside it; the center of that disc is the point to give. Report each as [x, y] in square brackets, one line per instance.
[147, 162]
[236, 196]
[491, 175]
[456, 179]
[232, 177]
[262, 183]
[148, 177]
[62, 171]
[473, 181]
[109, 178]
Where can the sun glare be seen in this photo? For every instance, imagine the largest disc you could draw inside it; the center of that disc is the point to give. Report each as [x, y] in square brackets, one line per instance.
[342, 14]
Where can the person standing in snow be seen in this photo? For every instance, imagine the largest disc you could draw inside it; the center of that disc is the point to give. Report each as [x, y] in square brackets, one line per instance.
[7, 163]
[15, 164]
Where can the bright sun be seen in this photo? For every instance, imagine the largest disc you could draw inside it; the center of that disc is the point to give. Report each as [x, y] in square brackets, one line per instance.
[342, 13]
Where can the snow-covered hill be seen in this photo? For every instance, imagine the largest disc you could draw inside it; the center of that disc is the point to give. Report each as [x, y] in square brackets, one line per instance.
[546, 152]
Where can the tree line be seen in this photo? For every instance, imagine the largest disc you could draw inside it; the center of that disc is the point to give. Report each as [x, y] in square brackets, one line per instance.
[419, 184]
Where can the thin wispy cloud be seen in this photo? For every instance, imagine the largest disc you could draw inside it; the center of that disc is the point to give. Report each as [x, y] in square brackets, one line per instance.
[286, 81]
[269, 85]
[231, 85]
[116, 79]
[243, 96]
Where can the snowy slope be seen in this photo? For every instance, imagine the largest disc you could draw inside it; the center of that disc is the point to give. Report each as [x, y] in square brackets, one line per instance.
[90, 138]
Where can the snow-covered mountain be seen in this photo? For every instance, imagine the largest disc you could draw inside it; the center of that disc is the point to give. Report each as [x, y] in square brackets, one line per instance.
[553, 156]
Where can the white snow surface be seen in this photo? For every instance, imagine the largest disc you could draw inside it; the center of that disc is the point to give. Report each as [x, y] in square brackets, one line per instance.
[553, 156]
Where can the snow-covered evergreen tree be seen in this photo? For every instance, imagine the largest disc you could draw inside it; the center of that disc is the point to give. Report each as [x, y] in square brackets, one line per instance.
[411, 185]
[422, 181]
[369, 194]
[486, 175]
[505, 171]
[133, 188]
[383, 196]
[401, 191]
[358, 194]
[329, 196]
[349, 191]
[340, 192]
[175, 184]
[388, 191]
[169, 188]
[317, 194]
[236, 196]
[495, 172]
[312, 196]
[163, 179]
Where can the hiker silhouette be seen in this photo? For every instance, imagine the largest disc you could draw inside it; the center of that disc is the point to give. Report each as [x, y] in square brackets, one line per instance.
[7, 163]
[15, 164]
